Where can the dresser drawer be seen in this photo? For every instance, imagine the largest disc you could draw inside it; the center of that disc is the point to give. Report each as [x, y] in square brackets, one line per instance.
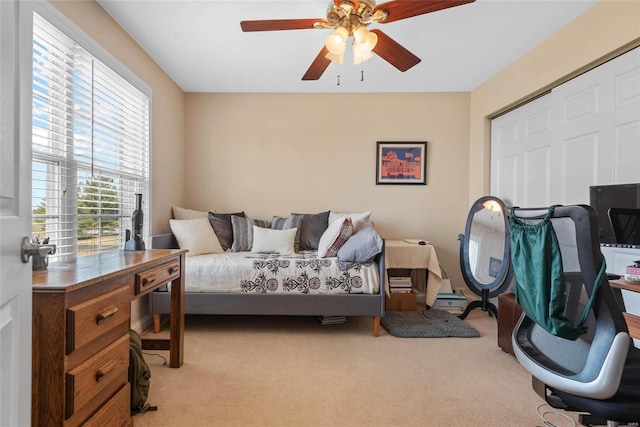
[633, 324]
[107, 370]
[116, 412]
[149, 280]
[96, 317]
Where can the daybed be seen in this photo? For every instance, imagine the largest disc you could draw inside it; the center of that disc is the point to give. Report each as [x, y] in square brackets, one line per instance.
[237, 281]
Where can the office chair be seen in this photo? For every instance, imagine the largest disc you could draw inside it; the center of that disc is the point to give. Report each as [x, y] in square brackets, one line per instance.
[599, 372]
[626, 225]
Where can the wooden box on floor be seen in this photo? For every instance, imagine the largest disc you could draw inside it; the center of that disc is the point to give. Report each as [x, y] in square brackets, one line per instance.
[401, 302]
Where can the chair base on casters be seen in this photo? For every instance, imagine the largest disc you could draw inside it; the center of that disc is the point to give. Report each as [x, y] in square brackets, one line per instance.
[563, 401]
[589, 420]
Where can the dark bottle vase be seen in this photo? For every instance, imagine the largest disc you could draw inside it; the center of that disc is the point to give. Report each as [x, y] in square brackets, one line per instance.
[134, 242]
[137, 217]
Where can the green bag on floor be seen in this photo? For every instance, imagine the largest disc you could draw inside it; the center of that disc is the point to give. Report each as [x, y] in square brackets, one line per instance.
[139, 376]
[539, 278]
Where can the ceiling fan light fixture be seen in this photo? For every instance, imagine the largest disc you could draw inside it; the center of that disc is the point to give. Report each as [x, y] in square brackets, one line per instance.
[337, 41]
[360, 55]
[364, 43]
[338, 59]
[350, 18]
[365, 40]
[360, 33]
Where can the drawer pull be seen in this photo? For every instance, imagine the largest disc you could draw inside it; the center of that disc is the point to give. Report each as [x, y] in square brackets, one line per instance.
[105, 370]
[173, 270]
[106, 313]
[148, 280]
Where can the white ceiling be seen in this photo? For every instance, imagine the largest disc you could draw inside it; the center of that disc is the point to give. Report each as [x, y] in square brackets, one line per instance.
[201, 46]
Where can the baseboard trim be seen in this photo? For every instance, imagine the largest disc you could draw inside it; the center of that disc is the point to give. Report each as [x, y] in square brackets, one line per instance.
[143, 324]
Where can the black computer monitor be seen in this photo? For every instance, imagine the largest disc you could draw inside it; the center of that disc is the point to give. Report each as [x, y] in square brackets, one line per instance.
[623, 199]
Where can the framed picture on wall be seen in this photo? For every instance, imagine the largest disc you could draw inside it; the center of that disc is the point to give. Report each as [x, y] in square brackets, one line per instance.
[401, 163]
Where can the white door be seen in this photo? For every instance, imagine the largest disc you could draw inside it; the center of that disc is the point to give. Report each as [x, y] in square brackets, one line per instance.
[522, 155]
[15, 212]
[596, 124]
[585, 132]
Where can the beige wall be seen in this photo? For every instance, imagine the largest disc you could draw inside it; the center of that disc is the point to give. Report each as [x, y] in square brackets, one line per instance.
[273, 154]
[167, 118]
[610, 26]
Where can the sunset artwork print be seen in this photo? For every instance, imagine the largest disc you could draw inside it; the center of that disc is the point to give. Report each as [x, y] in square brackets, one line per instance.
[401, 163]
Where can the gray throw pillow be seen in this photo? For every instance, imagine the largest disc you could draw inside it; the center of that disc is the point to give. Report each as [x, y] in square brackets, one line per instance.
[361, 247]
[243, 232]
[221, 224]
[311, 229]
[279, 223]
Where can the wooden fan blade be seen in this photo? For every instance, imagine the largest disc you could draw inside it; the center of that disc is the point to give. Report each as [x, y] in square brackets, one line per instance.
[401, 9]
[279, 24]
[392, 52]
[318, 65]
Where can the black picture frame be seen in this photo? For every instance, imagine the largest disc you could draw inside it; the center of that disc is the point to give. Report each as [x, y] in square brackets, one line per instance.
[401, 163]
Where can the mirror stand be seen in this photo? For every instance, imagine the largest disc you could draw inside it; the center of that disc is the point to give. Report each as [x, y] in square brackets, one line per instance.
[484, 253]
[483, 304]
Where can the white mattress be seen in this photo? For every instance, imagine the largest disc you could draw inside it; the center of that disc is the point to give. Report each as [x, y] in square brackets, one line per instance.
[302, 272]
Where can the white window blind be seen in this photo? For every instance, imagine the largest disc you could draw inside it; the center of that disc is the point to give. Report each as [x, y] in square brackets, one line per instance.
[90, 148]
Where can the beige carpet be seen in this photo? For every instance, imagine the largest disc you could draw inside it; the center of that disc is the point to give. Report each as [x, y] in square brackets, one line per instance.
[290, 371]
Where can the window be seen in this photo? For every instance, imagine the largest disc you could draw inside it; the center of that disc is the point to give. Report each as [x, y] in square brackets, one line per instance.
[90, 148]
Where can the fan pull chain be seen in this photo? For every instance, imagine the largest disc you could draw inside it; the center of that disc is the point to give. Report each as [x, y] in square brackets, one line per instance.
[361, 75]
[338, 84]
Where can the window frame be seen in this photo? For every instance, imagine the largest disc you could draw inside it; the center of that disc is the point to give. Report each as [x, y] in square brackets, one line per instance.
[71, 30]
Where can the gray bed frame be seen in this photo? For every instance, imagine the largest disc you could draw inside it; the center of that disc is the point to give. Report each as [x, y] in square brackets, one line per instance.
[271, 304]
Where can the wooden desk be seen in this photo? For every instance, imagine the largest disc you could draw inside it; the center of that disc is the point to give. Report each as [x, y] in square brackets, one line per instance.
[81, 318]
[400, 254]
[633, 319]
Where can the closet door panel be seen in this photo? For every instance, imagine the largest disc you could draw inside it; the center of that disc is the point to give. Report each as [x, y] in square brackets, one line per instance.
[578, 124]
[603, 105]
[520, 148]
[626, 153]
[537, 185]
[506, 182]
[585, 132]
[626, 126]
[579, 166]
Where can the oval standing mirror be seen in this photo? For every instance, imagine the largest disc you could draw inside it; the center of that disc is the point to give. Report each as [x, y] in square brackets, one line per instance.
[484, 253]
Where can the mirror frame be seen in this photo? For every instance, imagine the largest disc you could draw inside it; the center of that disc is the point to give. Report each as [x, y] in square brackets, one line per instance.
[503, 279]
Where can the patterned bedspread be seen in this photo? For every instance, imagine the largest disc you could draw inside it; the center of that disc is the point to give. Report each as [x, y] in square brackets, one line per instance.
[302, 272]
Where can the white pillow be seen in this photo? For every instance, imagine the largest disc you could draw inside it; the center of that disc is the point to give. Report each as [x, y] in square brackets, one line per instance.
[196, 235]
[357, 218]
[267, 240]
[182, 213]
[336, 235]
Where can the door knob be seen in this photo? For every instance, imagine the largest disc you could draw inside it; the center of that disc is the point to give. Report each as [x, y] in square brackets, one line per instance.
[38, 251]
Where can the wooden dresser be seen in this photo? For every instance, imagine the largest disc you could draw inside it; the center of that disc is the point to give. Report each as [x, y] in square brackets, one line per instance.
[81, 318]
[632, 318]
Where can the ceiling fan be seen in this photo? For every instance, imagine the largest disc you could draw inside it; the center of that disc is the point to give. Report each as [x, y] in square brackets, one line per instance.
[350, 18]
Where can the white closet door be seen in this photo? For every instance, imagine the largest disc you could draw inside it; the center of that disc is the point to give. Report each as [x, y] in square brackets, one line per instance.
[522, 157]
[596, 123]
[586, 132]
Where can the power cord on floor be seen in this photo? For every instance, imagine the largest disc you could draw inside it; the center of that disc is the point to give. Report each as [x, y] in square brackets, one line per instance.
[546, 421]
[444, 273]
